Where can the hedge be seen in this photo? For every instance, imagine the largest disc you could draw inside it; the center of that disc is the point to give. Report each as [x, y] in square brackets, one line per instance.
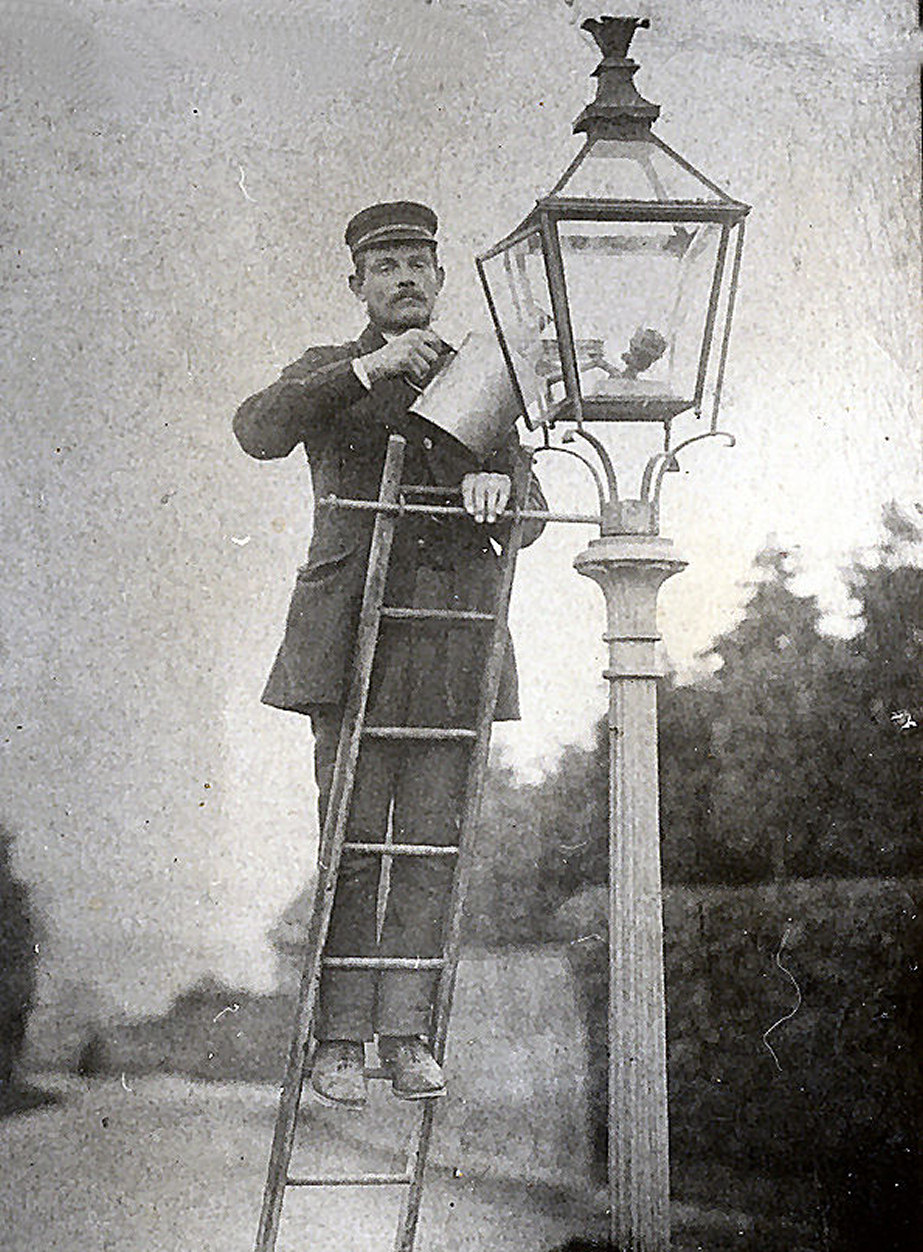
[832, 1092]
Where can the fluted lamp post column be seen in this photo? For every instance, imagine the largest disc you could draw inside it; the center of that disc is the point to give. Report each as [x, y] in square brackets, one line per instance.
[630, 568]
[612, 301]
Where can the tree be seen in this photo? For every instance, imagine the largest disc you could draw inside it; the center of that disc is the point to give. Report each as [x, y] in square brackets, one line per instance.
[572, 808]
[774, 714]
[18, 937]
[799, 757]
[688, 768]
[880, 782]
[500, 906]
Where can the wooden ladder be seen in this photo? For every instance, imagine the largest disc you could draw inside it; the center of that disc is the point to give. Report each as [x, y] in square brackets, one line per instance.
[391, 506]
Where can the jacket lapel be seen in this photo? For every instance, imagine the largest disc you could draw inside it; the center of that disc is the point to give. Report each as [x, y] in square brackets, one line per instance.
[370, 340]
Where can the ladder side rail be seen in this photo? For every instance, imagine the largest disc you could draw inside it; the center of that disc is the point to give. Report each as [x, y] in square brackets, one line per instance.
[477, 769]
[490, 685]
[331, 843]
[387, 511]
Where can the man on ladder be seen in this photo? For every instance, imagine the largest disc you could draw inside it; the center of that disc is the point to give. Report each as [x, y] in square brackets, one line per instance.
[343, 403]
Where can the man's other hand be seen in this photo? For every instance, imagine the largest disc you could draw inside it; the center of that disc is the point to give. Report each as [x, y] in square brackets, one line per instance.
[485, 496]
[413, 354]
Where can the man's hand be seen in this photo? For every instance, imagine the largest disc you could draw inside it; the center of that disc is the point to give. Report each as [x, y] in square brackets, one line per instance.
[485, 495]
[413, 354]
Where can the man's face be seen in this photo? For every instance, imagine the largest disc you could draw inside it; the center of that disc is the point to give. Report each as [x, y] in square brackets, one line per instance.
[398, 283]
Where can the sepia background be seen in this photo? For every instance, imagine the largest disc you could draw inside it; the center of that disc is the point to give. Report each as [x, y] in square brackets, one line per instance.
[175, 181]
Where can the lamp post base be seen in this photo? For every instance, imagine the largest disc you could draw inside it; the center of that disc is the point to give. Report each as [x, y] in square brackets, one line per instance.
[630, 569]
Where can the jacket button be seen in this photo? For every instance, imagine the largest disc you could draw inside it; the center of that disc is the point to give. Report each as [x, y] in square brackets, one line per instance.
[428, 444]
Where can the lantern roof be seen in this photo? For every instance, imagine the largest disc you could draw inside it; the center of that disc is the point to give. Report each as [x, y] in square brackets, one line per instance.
[624, 171]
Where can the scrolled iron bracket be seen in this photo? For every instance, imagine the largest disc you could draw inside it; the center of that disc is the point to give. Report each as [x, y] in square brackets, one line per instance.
[605, 460]
[597, 479]
[666, 463]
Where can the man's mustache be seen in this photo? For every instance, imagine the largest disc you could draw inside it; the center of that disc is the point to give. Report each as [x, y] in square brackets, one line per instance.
[409, 294]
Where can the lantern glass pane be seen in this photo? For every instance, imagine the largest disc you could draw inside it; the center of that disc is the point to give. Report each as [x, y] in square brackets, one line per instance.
[522, 307]
[639, 295]
[615, 169]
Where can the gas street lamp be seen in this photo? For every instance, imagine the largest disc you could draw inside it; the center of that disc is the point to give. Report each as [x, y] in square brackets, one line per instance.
[612, 302]
[612, 299]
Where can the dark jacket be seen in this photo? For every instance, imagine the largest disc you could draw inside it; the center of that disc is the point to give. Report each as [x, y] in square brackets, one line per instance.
[319, 401]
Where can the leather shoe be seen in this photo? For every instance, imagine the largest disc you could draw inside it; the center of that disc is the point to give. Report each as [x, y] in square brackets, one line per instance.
[338, 1074]
[414, 1073]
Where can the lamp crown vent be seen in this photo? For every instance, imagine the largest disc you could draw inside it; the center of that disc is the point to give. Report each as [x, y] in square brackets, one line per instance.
[619, 111]
[614, 34]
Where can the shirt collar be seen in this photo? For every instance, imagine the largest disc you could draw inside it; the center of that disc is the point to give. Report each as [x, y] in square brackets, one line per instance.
[373, 337]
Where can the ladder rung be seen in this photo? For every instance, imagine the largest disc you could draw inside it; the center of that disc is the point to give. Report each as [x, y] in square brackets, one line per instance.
[455, 510]
[382, 962]
[421, 489]
[435, 615]
[402, 849]
[354, 1180]
[418, 732]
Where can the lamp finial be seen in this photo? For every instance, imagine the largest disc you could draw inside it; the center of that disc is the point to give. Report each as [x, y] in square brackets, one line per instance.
[614, 34]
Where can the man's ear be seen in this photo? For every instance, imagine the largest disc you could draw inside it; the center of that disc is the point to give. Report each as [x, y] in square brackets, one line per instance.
[440, 278]
[355, 285]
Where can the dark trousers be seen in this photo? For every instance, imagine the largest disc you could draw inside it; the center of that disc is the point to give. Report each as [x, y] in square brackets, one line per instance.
[408, 792]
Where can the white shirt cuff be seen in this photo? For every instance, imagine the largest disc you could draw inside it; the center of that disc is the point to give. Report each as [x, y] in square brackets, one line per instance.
[361, 373]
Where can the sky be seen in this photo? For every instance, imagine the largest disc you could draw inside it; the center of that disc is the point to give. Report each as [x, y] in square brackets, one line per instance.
[175, 182]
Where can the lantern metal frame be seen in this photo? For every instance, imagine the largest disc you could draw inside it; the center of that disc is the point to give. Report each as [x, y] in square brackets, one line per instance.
[619, 113]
